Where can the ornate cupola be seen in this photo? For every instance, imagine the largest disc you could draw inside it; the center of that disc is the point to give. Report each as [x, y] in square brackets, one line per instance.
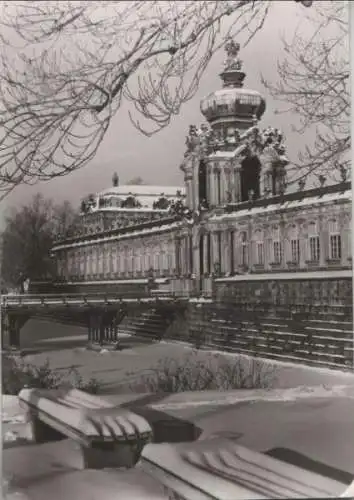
[232, 109]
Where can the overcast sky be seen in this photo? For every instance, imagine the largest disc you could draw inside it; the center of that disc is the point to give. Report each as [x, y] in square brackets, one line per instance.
[157, 159]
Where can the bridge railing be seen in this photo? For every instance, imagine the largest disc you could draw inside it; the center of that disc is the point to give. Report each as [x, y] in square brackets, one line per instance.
[89, 298]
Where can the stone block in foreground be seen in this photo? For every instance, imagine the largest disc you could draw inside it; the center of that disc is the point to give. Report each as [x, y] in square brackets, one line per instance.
[108, 436]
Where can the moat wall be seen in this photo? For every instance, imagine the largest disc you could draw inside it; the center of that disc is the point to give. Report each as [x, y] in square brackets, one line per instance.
[304, 320]
[299, 319]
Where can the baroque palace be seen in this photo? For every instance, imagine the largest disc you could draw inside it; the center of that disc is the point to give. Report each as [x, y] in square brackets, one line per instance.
[232, 221]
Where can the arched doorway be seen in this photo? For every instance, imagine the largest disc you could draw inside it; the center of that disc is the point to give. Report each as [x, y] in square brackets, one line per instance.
[250, 175]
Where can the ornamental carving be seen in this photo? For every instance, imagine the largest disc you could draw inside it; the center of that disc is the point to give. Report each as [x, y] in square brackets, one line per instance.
[269, 143]
[161, 204]
[200, 139]
[130, 202]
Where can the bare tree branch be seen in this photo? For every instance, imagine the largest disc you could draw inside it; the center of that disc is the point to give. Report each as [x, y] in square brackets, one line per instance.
[66, 68]
[314, 83]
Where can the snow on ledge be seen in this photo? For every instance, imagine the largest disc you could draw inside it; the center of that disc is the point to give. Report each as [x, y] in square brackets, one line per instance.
[343, 273]
[225, 398]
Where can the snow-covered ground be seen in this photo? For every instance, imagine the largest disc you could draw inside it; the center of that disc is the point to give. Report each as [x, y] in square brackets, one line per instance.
[14, 425]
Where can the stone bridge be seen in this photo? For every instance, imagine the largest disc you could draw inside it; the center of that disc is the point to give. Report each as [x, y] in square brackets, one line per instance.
[103, 312]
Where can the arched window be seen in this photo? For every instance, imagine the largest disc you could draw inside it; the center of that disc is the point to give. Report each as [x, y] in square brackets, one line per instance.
[335, 240]
[294, 243]
[250, 172]
[314, 246]
[277, 245]
[258, 247]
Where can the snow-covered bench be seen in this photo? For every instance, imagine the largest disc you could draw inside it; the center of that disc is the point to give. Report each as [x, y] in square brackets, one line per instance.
[108, 436]
[220, 469]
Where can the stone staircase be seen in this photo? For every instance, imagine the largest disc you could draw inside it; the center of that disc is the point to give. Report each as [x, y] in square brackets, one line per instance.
[149, 324]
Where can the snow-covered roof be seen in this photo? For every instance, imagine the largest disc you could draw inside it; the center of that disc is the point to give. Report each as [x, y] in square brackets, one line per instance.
[145, 194]
[117, 237]
[335, 197]
[143, 190]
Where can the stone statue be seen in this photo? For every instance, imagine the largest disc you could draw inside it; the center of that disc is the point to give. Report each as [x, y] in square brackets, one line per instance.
[232, 61]
[204, 137]
[192, 138]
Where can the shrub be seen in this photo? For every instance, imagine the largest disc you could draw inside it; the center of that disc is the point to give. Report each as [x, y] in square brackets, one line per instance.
[197, 372]
[17, 374]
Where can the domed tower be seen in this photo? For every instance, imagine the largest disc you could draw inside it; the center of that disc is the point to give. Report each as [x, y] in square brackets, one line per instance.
[232, 109]
[229, 160]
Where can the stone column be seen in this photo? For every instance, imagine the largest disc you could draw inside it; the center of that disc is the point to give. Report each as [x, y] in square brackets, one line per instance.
[205, 252]
[114, 258]
[173, 256]
[102, 252]
[228, 186]
[195, 239]
[345, 239]
[237, 182]
[215, 190]
[303, 245]
[189, 189]
[184, 255]
[85, 250]
[119, 259]
[215, 250]
[176, 255]
[88, 261]
[268, 257]
[96, 259]
[223, 185]
[195, 182]
[137, 258]
[324, 243]
[283, 241]
[210, 186]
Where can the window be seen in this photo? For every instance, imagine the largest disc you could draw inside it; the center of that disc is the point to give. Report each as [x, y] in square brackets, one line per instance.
[260, 253]
[335, 243]
[336, 246]
[277, 246]
[295, 250]
[314, 243]
[258, 242]
[294, 244]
